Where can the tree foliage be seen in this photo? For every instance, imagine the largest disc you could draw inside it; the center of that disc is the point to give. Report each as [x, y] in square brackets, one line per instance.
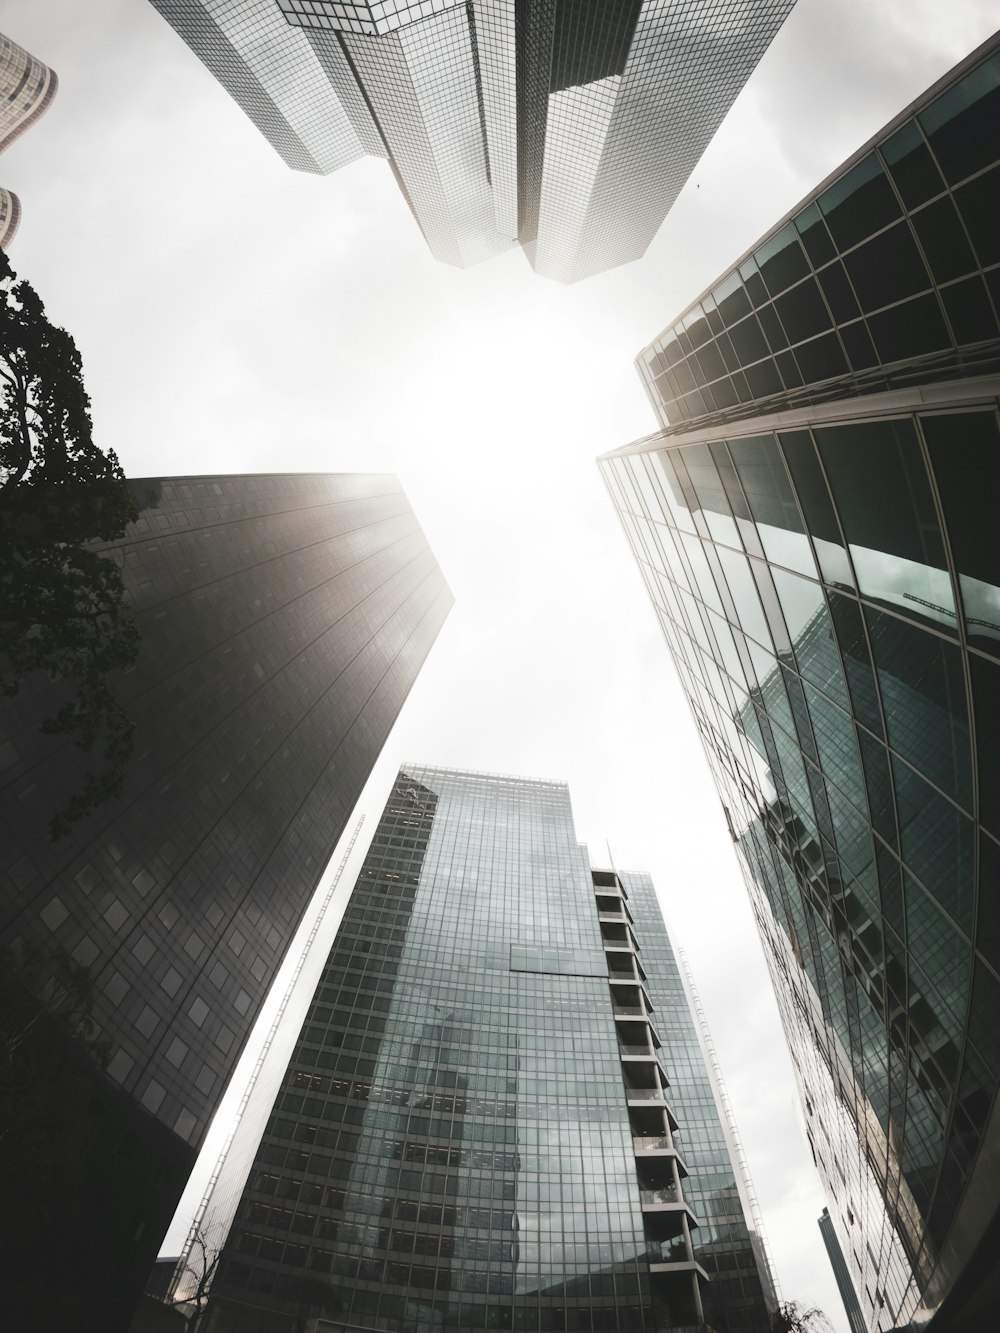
[62, 604]
[793, 1317]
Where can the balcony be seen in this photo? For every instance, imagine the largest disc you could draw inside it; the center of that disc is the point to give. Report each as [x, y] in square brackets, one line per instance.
[642, 1049]
[652, 1148]
[666, 1194]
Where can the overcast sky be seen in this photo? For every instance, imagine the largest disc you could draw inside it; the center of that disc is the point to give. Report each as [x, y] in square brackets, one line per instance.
[234, 316]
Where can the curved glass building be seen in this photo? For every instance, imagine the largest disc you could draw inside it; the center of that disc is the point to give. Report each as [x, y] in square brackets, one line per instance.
[27, 87]
[815, 526]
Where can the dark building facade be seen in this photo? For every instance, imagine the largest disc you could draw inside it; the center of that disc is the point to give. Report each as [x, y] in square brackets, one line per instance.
[568, 126]
[477, 1126]
[815, 527]
[283, 619]
[852, 1307]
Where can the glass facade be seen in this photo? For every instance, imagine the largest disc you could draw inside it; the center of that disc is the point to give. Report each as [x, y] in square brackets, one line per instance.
[568, 126]
[476, 1129]
[633, 93]
[282, 622]
[887, 275]
[728, 1243]
[841, 1272]
[828, 583]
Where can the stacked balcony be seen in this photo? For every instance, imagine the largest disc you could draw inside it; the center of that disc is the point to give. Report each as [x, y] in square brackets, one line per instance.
[675, 1274]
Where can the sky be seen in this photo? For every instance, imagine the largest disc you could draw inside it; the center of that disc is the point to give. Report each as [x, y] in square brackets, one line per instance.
[234, 316]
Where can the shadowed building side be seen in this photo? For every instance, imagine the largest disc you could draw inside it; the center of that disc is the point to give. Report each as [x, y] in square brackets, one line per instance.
[283, 620]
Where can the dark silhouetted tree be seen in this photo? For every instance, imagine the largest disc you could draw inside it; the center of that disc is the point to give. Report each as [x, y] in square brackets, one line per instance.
[793, 1317]
[62, 604]
[200, 1264]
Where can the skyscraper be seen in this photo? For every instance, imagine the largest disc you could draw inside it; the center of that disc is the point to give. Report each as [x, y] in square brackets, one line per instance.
[815, 527]
[842, 1273]
[283, 620]
[569, 126]
[477, 1126]
[27, 88]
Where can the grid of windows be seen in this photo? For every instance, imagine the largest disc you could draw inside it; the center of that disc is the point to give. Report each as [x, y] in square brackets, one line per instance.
[830, 599]
[27, 87]
[272, 72]
[453, 1145]
[10, 216]
[741, 1291]
[887, 275]
[634, 116]
[441, 90]
[828, 583]
[282, 620]
[569, 126]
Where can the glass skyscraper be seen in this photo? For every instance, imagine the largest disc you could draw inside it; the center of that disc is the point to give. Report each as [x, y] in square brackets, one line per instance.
[815, 526]
[852, 1306]
[568, 126]
[482, 1122]
[283, 620]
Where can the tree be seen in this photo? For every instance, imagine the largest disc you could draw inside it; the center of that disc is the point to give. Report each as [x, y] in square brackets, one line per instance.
[793, 1317]
[200, 1263]
[62, 605]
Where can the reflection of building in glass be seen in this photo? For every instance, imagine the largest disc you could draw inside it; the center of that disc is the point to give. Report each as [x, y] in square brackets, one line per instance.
[841, 1272]
[476, 1128]
[568, 126]
[26, 89]
[282, 621]
[815, 525]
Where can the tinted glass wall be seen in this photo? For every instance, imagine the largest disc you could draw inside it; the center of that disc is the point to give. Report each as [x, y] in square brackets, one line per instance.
[831, 597]
[726, 1243]
[568, 126]
[457, 1143]
[282, 622]
[889, 274]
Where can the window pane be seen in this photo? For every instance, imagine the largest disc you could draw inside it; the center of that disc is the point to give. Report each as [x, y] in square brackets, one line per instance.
[860, 203]
[965, 455]
[911, 165]
[962, 124]
[937, 842]
[761, 469]
[882, 493]
[923, 698]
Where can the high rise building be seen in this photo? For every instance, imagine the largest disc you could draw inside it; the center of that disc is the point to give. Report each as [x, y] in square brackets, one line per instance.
[568, 126]
[27, 87]
[852, 1306]
[478, 1126]
[283, 620]
[815, 526]
[10, 216]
